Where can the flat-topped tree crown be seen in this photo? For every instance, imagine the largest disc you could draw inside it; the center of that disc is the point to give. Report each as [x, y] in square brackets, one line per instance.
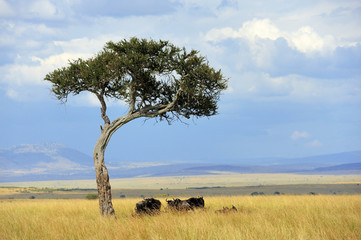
[155, 78]
[150, 76]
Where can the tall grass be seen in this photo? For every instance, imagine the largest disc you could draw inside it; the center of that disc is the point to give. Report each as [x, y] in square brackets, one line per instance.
[261, 217]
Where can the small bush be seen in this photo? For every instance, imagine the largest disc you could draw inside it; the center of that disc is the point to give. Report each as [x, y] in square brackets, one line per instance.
[91, 196]
[122, 196]
[257, 193]
[161, 195]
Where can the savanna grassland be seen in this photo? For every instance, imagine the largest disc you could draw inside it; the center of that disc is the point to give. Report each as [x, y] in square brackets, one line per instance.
[183, 182]
[259, 217]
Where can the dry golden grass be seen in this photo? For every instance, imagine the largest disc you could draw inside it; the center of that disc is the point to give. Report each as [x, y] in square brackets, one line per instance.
[261, 217]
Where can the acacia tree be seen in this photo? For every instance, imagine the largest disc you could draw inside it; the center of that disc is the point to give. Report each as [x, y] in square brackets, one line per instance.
[155, 78]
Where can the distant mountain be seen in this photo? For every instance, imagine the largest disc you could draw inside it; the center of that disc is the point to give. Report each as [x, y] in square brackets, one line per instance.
[48, 161]
[342, 167]
[236, 169]
[52, 161]
[329, 159]
[304, 163]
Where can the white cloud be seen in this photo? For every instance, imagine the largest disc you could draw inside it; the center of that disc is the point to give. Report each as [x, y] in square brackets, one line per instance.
[217, 35]
[258, 69]
[305, 39]
[21, 78]
[22, 74]
[209, 4]
[296, 135]
[85, 99]
[315, 143]
[43, 9]
[31, 72]
[13, 94]
[293, 87]
[84, 45]
[262, 28]
[310, 90]
[260, 85]
[5, 9]
[17, 75]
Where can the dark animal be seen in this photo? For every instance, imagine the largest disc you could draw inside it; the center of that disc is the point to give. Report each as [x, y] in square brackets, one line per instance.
[196, 202]
[189, 204]
[148, 206]
[173, 203]
[227, 210]
[177, 204]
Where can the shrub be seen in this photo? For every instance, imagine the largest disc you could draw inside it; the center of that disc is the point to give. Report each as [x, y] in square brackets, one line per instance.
[91, 196]
[161, 195]
[257, 193]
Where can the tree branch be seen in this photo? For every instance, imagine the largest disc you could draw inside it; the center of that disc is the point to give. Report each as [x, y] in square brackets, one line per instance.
[132, 98]
[103, 109]
[115, 125]
[153, 111]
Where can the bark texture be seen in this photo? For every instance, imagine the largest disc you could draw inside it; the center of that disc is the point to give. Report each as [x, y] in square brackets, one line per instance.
[103, 184]
[101, 171]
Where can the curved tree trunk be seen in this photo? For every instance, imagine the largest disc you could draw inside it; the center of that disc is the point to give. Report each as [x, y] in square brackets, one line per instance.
[101, 171]
[102, 177]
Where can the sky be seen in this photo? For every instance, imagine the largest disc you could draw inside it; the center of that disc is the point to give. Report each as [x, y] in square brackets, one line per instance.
[294, 70]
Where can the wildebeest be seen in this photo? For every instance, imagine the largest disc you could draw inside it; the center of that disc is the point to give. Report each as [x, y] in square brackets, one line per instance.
[196, 202]
[189, 204]
[227, 210]
[177, 204]
[173, 203]
[148, 206]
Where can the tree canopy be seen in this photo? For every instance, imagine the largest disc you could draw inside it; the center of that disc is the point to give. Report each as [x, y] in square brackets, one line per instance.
[155, 78]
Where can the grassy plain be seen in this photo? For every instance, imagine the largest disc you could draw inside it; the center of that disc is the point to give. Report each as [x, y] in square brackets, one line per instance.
[293, 189]
[183, 182]
[260, 217]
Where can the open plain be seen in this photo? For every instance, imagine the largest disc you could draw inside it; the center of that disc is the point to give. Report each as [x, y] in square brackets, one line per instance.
[288, 207]
[258, 217]
[201, 185]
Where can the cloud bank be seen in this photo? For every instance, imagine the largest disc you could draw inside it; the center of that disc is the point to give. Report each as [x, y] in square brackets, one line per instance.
[269, 58]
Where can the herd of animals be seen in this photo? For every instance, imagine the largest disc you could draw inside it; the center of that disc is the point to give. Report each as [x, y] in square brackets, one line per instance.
[151, 205]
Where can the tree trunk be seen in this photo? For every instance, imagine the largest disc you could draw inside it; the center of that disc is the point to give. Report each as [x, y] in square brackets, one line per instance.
[102, 177]
[101, 171]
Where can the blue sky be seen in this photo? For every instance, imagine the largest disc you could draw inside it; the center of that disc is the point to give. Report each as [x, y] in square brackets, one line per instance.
[294, 70]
